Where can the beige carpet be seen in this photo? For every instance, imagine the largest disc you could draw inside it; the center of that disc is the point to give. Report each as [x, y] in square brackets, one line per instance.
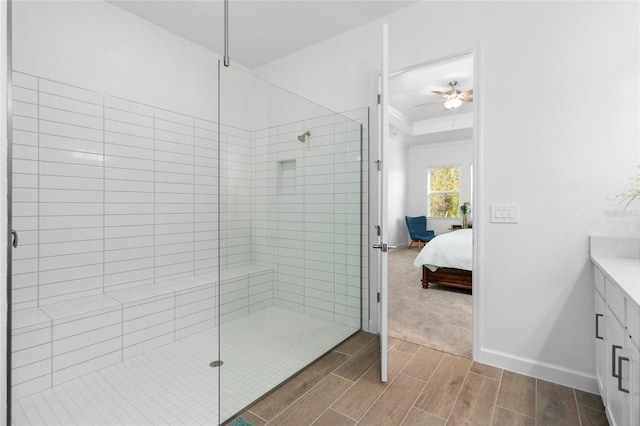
[438, 317]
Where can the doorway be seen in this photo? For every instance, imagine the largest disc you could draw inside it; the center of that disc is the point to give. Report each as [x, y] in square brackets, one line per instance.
[430, 163]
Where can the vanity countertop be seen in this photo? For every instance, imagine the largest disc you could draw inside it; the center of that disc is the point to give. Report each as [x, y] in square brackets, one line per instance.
[619, 259]
[624, 271]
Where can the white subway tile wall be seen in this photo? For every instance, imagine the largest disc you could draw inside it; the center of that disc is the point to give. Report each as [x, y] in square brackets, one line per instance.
[307, 214]
[361, 116]
[116, 205]
[235, 198]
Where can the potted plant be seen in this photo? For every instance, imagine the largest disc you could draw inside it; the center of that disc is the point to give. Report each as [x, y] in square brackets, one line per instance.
[632, 193]
[465, 209]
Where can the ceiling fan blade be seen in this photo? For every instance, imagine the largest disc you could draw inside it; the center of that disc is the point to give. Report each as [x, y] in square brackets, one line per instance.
[468, 92]
[437, 92]
[467, 100]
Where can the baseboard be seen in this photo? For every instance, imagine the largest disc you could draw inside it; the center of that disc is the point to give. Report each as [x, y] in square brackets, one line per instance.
[401, 245]
[541, 370]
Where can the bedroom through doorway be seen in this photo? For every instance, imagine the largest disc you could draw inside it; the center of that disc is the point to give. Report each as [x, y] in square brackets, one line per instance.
[431, 166]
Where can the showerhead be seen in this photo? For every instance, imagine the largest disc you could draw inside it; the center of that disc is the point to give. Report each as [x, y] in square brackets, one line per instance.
[303, 137]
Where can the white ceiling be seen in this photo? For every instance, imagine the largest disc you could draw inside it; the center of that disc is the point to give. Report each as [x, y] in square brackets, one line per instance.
[260, 31]
[414, 87]
[412, 124]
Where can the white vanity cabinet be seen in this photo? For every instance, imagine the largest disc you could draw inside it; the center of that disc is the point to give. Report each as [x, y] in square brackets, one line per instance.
[617, 336]
[618, 401]
[633, 328]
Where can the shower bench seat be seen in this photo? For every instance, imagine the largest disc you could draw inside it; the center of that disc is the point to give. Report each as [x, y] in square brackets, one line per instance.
[245, 289]
[58, 342]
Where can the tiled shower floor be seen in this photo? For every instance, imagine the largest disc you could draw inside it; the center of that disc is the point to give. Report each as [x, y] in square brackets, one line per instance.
[174, 384]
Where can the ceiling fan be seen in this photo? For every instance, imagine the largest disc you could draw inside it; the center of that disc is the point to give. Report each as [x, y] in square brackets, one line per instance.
[453, 98]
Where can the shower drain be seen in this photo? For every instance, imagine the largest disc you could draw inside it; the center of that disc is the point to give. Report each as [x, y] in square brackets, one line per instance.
[215, 364]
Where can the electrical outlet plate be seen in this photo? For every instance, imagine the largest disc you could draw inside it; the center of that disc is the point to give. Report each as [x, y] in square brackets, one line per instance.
[505, 213]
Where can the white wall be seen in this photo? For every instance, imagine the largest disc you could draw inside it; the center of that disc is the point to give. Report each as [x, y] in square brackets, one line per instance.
[397, 169]
[423, 157]
[102, 47]
[559, 156]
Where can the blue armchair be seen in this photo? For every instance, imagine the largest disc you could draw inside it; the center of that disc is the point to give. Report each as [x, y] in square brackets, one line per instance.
[418, 230]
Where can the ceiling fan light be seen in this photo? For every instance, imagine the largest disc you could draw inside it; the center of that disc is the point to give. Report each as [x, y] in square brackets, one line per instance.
[452, 103]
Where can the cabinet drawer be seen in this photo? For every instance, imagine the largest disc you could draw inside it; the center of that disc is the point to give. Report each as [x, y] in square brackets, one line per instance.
[633, 321]
[598, 278]
[615, 300]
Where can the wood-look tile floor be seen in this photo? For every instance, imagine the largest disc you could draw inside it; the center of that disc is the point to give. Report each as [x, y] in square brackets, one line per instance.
[425, 387]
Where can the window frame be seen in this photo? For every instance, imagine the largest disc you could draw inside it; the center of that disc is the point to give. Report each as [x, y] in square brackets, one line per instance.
[458, 191]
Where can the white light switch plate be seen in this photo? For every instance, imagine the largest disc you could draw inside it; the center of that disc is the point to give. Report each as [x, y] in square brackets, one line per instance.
[505, 213]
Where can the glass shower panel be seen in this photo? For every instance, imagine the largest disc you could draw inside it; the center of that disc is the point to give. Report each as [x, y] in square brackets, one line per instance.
[115, 192]
[290, 234]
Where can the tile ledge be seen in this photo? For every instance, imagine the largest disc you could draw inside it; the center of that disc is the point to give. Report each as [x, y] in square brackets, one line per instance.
[80, 306]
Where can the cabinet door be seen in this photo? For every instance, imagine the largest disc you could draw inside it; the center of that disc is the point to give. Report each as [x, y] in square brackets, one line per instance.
[601, 346]
[618, 401]
[634, 375]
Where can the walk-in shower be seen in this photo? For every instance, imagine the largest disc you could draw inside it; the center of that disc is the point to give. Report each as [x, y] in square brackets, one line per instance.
[180, 251]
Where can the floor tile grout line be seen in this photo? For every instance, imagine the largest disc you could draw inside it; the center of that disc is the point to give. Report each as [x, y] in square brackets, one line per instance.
[513, 411]
[535, 405]
[493, 411]
[428, 380]
[575, 399]
[387, 386]
[63, 389]
[261, 418]
[347, 357]
[307, 392]
[346, 390]
[453, 407]
[365, 344]
[341, 413]
[593, 408]
[392, 380]
[338, 397]
[495, 401]
[434, 370]
[385, 391]
[413, 405]
[425, 411]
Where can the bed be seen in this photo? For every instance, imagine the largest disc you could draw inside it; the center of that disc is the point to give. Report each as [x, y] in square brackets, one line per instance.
[447, 260]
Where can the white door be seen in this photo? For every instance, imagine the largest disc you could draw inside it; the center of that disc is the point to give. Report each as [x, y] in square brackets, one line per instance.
[381, 244]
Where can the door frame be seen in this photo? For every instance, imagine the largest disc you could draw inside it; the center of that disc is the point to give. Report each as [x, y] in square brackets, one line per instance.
[476, 200]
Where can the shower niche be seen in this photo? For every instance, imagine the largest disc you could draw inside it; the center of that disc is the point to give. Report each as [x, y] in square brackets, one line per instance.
[287, 177]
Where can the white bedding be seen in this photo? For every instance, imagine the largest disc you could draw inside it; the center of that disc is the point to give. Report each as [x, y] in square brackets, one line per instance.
[450, 250]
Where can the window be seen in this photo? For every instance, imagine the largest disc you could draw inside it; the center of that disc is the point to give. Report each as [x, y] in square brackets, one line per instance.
[444, 191]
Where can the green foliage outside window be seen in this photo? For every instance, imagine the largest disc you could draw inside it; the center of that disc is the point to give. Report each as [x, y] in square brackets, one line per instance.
[444, 191]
